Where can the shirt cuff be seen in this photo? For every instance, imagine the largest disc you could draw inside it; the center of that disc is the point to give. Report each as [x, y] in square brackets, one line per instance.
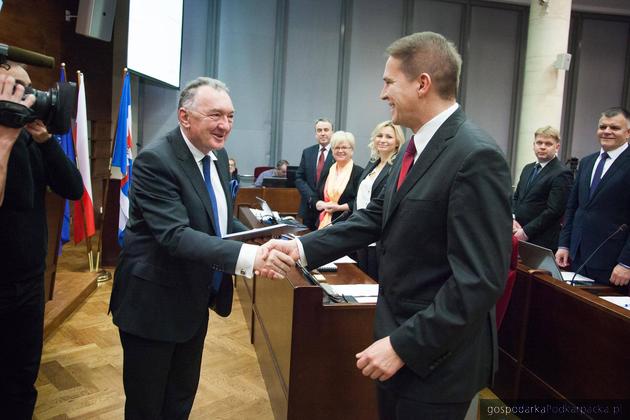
[301, 251]
[623, 265]
[245, 261]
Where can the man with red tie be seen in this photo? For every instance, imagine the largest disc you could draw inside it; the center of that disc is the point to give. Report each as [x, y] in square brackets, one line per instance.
[315, 161]
[443, 225]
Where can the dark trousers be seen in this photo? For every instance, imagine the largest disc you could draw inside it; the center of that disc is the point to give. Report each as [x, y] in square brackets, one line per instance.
[22, 329]
[368, 261]
[311, 219]
[160, 377]
[600, 276]
[394, 407]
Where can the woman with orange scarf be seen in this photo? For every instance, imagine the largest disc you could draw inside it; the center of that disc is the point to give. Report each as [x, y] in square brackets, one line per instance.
[338, 187]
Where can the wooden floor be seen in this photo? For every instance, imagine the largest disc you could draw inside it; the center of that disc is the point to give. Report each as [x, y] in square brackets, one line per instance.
[81, 371]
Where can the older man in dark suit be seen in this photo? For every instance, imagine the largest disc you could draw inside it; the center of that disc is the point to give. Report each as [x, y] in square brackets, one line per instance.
[174, 264]
[599, 206]
[444, 226]
[315, 161]
[542, 192]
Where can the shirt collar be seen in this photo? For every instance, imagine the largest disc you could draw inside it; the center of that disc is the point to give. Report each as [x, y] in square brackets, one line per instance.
[614, 154]
[543, 164]
[197, 154]
[426, 132]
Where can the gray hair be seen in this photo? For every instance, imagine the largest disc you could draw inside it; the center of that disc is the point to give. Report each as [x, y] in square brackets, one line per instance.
[187, 95]
[342, 136]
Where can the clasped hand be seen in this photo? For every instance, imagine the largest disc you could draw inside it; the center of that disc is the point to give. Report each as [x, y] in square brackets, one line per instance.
[276, 257]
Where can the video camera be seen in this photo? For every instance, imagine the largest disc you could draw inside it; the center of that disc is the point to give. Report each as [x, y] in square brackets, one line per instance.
[54, 107]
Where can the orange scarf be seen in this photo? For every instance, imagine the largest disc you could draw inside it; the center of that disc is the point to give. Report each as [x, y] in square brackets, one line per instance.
[335, 186]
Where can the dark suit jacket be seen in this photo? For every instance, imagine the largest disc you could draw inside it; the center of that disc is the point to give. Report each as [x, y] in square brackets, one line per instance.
[588, 221]
[379, 182]
[539, 208]
[348, 195]
[445, 243]
[161, 285]
[305, 179]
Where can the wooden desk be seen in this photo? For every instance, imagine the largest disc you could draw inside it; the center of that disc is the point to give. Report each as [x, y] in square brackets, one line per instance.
[562, 342]
[306, 349]
[285, 201]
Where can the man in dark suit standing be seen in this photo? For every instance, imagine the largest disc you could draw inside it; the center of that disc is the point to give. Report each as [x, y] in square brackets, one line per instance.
[542, 192]
[174, 264]
[443, 223]
[599, 204]
[315, 161]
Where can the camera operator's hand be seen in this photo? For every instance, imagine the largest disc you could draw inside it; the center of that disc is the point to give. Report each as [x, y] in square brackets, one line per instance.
[38, 131]
[12, 92]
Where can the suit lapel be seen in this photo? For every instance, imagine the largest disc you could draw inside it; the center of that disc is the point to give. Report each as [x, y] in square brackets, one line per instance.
[612, 172]
[586, 169]
[434, 148]
[190, 168]
[527, 172]
[381, 176]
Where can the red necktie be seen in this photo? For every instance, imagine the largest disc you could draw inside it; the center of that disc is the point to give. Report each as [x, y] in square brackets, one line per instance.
[407, 162]
[320, 164]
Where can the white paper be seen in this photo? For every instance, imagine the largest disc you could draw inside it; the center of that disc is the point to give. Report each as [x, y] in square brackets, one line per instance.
[344, 260]
[355, 289]
[568, 275]
[366, 299]
[623, 301]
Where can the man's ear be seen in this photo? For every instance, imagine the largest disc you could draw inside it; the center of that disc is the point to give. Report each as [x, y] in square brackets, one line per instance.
[182, 116]
[424, 83]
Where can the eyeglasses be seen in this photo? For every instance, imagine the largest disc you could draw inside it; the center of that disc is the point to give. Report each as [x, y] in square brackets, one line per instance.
[214, 115]
[342, 148]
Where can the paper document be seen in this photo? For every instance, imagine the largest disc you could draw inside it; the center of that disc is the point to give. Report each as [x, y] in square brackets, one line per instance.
[344, 260]
[366, 299]
[355, 289]
[273, 230]
[568, 275]
[623, 301]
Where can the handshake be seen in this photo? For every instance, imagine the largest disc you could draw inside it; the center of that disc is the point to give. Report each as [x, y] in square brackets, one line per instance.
[276, 257]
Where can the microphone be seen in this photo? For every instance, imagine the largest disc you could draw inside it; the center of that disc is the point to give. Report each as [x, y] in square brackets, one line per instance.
[21, 55]
[621, 228]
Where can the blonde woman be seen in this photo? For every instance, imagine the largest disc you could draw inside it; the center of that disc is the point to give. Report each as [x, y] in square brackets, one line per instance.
[385, 143]
[338, 186]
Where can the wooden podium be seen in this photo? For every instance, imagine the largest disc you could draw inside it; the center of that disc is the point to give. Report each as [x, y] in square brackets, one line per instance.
[285, 201]
[562, 342]
[306, 348]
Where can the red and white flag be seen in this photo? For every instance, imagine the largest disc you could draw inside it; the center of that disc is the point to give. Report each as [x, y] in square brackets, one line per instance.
[83, 209]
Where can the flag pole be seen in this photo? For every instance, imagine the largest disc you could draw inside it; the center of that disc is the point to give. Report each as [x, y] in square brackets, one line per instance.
[105, 275]
[88, 239]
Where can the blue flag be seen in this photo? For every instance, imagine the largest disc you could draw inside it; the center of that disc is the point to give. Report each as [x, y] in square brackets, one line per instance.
[122, 157]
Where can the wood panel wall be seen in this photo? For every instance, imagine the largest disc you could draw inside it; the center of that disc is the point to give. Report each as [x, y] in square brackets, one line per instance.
[40, 25]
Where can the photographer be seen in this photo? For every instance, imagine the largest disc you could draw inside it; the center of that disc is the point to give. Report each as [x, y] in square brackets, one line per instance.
[30, 160]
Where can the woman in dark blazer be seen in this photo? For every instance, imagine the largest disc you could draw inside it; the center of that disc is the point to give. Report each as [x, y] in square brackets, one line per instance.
[338, 185]
[385, 142]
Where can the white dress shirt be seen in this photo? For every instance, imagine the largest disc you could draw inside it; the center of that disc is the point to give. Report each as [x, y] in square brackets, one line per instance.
[613, 155]
[247, 255]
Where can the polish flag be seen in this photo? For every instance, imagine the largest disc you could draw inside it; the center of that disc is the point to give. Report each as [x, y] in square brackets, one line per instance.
[83, 209]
